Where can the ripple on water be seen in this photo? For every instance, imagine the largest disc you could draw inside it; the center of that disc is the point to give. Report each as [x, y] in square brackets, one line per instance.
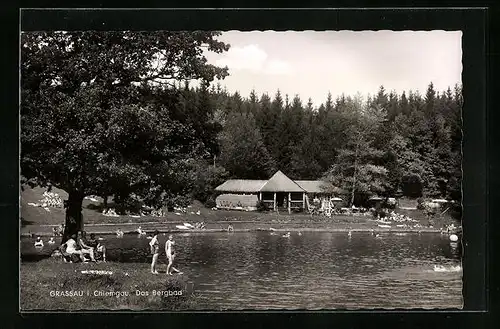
[315, 271]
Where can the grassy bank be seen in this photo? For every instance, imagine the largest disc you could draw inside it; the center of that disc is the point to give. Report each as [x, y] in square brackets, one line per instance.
[45, 285]
[37, 220]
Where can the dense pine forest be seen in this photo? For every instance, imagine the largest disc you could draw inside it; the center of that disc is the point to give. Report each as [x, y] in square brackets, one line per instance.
[390, 144]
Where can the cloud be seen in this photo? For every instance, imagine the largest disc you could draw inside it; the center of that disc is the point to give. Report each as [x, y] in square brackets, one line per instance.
[278, 67]
[249, 57]
[252, 58]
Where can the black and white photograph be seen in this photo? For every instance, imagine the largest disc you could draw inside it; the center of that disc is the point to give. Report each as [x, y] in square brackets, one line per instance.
[240, 170]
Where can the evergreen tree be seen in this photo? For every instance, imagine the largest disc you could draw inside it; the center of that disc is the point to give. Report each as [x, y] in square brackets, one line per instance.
[430, 98]
[355, 169]
[403, 104]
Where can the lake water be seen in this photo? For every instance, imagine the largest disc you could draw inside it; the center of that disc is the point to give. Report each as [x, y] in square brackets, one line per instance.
[317, 270]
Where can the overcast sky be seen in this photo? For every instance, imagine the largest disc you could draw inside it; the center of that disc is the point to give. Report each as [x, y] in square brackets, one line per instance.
[313, 63]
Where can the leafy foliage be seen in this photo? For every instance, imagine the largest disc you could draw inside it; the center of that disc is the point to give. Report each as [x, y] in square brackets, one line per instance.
[243, 152]
[100, 113]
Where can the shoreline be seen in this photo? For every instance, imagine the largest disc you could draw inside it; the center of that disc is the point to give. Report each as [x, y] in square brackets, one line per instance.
[260, 229]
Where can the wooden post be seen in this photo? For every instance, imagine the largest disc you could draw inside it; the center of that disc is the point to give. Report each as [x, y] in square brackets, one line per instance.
[289, 203]
[304, 200]
[274, 203]
[260, 196]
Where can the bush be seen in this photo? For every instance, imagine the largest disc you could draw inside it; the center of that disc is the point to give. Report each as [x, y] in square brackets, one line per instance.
[261, 206]
[210, 203]
[379, 212]
[207, 178]
[420, 203]
[177, 201]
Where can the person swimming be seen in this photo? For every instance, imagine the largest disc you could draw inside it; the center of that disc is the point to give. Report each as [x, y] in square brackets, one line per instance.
[38, 242]
[287, 235]
[51, 241]
[119, 233]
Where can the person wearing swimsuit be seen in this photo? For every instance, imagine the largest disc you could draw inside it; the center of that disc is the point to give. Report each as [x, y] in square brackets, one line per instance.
[170, 251]
[155, 250]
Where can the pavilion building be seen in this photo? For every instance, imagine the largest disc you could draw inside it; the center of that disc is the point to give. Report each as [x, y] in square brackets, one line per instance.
[278, 193]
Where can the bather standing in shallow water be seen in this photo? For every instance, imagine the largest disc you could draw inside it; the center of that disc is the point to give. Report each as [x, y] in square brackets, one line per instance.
[155, 251]
[170, 251]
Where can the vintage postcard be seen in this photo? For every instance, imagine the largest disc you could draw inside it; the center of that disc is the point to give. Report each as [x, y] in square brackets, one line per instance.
[232, 170]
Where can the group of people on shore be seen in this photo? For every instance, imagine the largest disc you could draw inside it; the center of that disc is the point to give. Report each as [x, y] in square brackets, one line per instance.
[154, 245]
[78, 247]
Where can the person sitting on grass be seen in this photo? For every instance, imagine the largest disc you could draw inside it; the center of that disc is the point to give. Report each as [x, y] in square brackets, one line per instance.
[99, 249]
[119, 233]
[230, 228]
[69, 248]
[86, 249]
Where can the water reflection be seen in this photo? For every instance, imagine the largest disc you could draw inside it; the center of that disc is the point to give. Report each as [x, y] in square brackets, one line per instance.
[315, 270]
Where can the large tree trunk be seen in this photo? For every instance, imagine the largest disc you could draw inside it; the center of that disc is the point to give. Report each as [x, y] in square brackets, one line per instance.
[74, 218]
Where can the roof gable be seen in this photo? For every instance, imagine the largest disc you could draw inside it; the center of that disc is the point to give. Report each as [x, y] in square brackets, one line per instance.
[281, 183]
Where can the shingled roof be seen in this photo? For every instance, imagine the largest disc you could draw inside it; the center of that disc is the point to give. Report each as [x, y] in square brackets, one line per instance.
[241, 185]
[315, 186]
